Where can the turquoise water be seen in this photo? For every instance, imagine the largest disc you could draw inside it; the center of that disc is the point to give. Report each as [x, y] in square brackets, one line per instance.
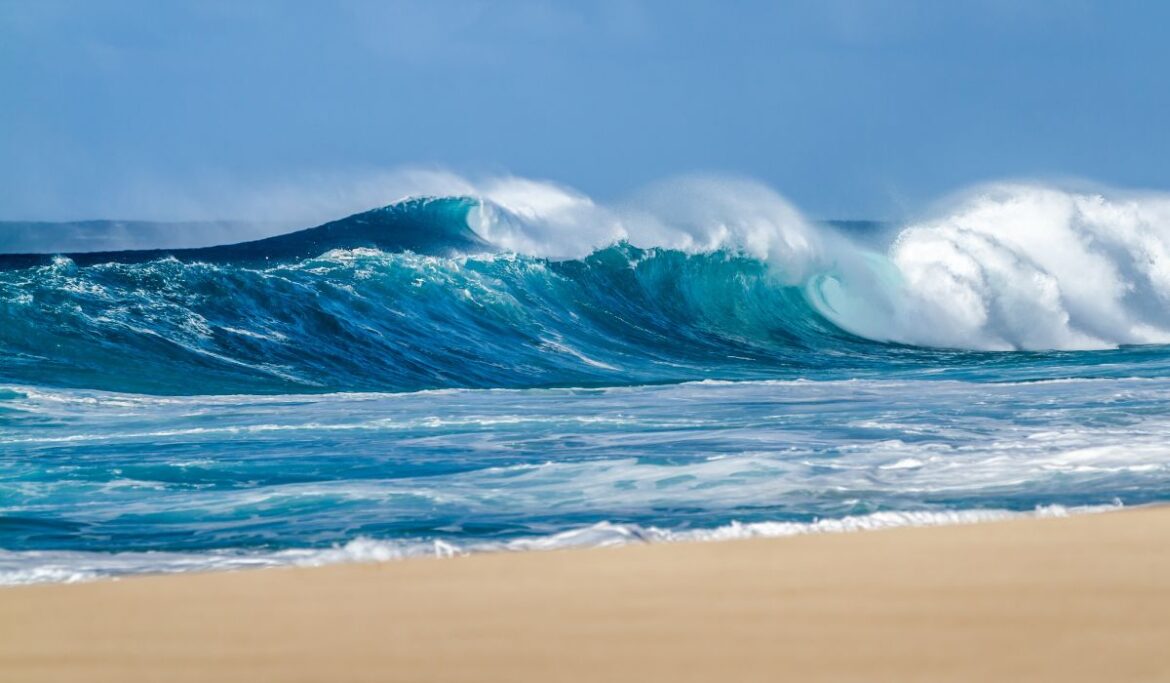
[403, 382]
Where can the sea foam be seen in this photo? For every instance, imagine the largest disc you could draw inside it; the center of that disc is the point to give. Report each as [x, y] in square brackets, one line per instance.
[24, 568]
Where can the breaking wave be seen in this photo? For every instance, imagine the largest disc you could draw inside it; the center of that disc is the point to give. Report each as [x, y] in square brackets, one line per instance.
[529, 284]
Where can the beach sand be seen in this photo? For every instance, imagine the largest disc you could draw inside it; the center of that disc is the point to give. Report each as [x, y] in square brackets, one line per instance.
[1084, 598]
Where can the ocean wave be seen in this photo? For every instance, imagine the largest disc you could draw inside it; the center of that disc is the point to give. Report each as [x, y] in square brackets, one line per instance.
[526, 284]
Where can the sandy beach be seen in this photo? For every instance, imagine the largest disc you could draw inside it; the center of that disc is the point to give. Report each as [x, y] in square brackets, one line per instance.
[1084, 598]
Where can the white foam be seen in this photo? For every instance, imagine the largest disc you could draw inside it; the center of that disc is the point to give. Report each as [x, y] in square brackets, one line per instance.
[21, 568]
[1019, 266]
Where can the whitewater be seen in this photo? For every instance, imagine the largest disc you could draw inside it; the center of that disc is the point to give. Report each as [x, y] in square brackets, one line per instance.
[511, 365]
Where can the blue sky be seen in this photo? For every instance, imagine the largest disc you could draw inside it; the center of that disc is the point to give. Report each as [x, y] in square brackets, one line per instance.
[851, 109]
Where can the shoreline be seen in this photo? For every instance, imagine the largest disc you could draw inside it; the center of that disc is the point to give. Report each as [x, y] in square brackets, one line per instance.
[1083, 597]
[82, 567]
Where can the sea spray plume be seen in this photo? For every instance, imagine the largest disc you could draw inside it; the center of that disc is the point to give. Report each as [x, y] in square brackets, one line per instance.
[542, 219]
[695, 215]
[702, 214]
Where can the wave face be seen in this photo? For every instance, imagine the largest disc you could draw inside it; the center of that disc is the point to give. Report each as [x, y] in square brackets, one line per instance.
[523, 368]
[359, 320]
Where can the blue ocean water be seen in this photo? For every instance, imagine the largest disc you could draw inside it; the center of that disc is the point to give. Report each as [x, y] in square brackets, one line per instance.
[431, 378]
